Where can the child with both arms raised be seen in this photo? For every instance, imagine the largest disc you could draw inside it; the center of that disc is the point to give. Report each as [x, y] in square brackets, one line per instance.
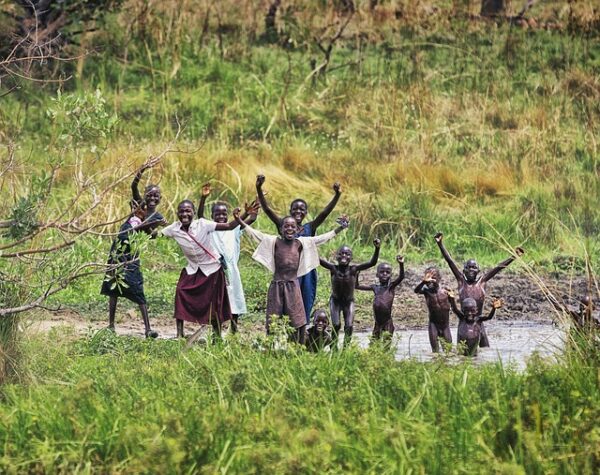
[384, 292]
[288, 256]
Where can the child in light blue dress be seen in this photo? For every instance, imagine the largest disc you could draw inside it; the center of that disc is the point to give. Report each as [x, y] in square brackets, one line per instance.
[227, 243]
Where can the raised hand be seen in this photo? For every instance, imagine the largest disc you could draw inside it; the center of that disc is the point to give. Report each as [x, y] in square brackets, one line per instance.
[438, 237]
[152, 161]
[377, 242]
[206, 189]
[260, 179]
[450, 293]
[497, 303]
[428, 277]
[337, 187]
[252, 208]
[343, 221]
[236, 213]
[400, 259]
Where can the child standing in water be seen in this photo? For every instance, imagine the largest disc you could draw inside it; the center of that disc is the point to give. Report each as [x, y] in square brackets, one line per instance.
[438, 306]
[343, 281]
[299, 210]
[126, 279]
[227, 244]
[384, 292]
[470, 322]
[288, 257]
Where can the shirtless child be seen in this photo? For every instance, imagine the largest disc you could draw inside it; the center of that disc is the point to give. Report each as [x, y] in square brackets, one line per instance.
[469, 284]
[343, 280]
[289, 257]
[438, 305]
[384, 297]
[470, 319]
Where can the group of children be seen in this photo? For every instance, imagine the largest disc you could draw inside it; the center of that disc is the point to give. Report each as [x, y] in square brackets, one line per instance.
[209, 290]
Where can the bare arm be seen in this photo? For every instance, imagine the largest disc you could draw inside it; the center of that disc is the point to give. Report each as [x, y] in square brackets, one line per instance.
[496, 304]
[326, 264]
[373, 261]
[315, 223]
[455, 309]
[503, 265]
[260, 179]
[206, 189]
[453, 267]
[135, 192]
[400, 278]
[234, 223]
[359, 286]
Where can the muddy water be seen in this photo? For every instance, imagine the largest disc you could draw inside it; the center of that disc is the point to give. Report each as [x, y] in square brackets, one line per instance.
[511, 342]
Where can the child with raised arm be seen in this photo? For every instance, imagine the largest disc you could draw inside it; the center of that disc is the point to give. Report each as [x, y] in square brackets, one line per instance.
[384, 292]
[470, 284]
[438, 306]
[299, 210]
[470, 321]
[288, 257]
[227, 244]
[343, 281]
[125, 279]
[201, 295]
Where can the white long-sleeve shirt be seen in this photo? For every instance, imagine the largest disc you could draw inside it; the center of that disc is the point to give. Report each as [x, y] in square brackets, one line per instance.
[309, 257]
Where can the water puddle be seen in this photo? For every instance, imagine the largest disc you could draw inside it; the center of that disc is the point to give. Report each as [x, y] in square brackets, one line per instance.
[511, 342]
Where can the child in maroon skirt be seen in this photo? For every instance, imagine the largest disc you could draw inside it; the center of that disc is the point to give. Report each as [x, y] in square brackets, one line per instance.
[201, 295]
[288, 257]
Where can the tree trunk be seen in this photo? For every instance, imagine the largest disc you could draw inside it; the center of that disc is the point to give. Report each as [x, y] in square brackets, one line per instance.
[492, 8]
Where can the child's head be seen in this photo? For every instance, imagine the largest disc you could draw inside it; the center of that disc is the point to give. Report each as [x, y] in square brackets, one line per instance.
[469, 308]
[384, 273]
[298, 210]
[320, 320]
[152, 195]
[219, 212]
[344, 255]
[185, 211]
[289, 228]
[470, 270]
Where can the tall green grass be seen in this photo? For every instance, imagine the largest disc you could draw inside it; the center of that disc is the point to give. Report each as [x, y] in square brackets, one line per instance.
[109, 404]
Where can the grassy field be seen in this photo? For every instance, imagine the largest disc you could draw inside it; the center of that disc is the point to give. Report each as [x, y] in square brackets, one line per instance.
[430, 119]
[107, 404]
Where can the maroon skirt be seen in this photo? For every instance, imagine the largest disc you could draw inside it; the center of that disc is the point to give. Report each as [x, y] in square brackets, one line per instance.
[201, 299]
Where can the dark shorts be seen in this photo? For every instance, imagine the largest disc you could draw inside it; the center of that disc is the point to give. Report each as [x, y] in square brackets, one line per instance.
[285, 298]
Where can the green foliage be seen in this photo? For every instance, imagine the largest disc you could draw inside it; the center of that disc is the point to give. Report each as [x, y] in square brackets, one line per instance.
[133, 405]
[80, 119]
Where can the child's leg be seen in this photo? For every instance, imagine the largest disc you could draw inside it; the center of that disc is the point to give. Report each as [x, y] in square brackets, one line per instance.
[234, 323]
[483, 340]
[447, 334]
[216, 326]
[336, 324]
[179, 328]
[348, 310]
[147, 330]
[112, 310]
[433, 337]
[299, 335]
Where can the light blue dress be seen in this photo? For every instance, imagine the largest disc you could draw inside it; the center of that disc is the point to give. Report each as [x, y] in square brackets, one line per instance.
[227, 243]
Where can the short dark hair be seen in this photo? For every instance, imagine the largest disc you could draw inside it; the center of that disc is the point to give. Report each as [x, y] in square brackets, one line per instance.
[187, 201]
[299, 200]
[218, 203]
